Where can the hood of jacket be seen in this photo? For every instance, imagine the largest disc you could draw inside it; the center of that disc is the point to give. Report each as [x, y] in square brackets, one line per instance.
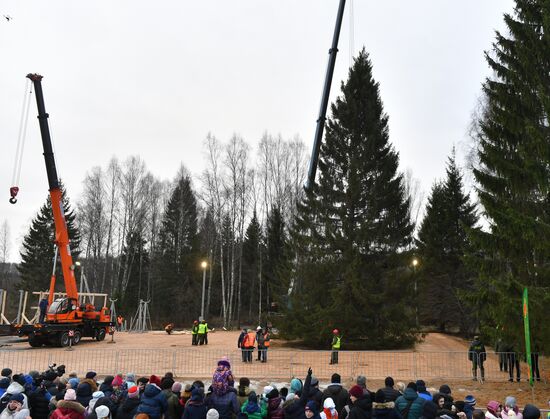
[15, 388]
[334, 389]
[151, 390]
[129, 405]
[71, 405]
[410, 394]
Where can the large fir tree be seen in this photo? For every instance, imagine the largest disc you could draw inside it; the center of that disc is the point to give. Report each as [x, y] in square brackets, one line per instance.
[252, 254]
[351, 230]
[178, 264]
[442, 245]
[276, 257]
[38, 247]
[513, 176]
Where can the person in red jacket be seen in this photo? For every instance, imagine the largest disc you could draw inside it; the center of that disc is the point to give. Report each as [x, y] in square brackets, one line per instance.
[247, 345]
[68, 408]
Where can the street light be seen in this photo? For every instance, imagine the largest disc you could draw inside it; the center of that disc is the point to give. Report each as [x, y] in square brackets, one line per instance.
[414, 265]
[204, 265]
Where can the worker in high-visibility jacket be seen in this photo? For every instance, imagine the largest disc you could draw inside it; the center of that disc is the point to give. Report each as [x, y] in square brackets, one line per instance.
[195, 333]
[203, 329]
[266, 342]
[247, 345]
[335, 346]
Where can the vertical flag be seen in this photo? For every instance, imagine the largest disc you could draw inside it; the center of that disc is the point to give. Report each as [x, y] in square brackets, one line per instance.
[527, 335]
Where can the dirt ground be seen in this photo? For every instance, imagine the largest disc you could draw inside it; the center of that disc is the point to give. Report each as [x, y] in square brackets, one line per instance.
[156, 352]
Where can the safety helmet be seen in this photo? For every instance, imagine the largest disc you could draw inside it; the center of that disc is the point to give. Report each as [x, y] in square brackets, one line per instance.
[335, 331]
[259, 328]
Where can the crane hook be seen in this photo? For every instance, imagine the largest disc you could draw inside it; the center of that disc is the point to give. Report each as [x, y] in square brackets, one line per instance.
[13, 192]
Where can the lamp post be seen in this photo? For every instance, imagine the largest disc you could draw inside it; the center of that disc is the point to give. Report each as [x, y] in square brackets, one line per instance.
[203, 266]
[414, 265]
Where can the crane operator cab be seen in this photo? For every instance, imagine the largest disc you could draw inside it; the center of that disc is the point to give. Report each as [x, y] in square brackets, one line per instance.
[63, 309]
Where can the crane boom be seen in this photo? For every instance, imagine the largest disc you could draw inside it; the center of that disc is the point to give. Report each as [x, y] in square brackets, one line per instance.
[324, 100]
[61, 233]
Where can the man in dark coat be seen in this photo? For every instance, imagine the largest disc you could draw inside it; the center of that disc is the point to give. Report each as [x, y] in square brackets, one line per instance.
[410, 405]
[39, 401]
[128, 409]
[390, 393]
[336, 392]
[476, 354]
[153, 403]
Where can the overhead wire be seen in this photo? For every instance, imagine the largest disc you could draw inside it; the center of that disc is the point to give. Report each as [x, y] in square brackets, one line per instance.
[23, 123]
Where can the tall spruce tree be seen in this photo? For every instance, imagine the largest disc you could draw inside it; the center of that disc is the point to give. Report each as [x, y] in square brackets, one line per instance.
[276, 256]
[513, 177]
[442, 244]
[252, 252]
[178, 264]
[38, 249]
[136, 281]
[351, 230]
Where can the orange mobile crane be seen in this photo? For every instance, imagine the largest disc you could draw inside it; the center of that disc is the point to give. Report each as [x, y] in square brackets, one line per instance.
[65, 319]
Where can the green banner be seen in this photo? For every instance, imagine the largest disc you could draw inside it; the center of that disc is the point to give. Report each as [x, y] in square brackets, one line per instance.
[527, 335]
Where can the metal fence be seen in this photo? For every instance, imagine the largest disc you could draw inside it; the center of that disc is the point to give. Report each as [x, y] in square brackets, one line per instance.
[199, 362]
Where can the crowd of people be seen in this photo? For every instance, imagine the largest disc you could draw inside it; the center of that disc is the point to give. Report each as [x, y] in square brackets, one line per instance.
[55, 395]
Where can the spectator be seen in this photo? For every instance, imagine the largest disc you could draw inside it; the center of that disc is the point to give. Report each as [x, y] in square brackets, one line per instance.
[336, 392]
[329, 409]
[195, 409]
[510, 410]
[295, 409]
[445, 390]
[212, 413]
[15, 387]
[400, 387]
[361, 405]
[275, 405]
[422, 392]
[531, 412]
[6, 372]
[478, 414]
[39, 401]
[223, 401]
[410, 405]
[314, 393]
[91, 404]
[128, 408]
[153, 403]
[390, 393]
[493, 410]
[243, 390]
[311, 411]
[84, 393]
[382, 408]
[100, 412]
[4, 383]
[429, 410]
[253, 409]
[107, 386]
[15, 408]
[68, 408]
[469, 405]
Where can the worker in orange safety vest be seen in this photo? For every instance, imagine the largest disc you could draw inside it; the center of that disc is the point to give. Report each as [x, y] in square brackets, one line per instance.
[247, 345]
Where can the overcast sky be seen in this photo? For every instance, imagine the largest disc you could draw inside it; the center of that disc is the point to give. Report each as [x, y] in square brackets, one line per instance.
[154, 77]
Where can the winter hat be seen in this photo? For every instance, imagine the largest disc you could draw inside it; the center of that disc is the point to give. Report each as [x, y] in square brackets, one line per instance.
[531, 412]
[70, 394]
[6, 372]
[102, 411]
[493, 406]
[74, 382]
[97, 394]
[91, 374]
[153, 380]
[445, 389]
[17, 397]
[380, 397]
[329, 403]
[252, 397]
[117, 381]
[4, 382]
[19, 378]
[356, 391]
[212, 414]
[335, 378]
[166, 383]
[510, 401]
[34, 374]
[311, 405]
[225, 362]
[290, 396]
[176, 387]
[314, 381]
[429, 411]
[295, 385]
[273, 394]
[267, 390]
[244, 382]
[459, 404]
[131, 377]
[470, 400]
[133, 392]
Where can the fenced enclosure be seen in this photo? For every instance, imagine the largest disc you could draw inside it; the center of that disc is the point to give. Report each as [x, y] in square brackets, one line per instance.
[199, 362]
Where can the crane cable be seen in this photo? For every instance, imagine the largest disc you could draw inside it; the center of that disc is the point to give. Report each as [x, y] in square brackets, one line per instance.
[23, 123]
[351, 33]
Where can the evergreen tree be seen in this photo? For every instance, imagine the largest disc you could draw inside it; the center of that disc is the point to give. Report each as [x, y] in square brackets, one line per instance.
[38, 250]
[442, 245]
[252, 253]
[352, 228]
[513, 176]
[178, 264]
[276, 256]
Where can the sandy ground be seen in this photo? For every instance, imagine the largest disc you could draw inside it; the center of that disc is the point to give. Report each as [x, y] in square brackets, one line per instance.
[438, 359]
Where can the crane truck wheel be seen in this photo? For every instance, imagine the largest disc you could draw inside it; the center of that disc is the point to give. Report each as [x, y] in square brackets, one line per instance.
[77, 336]
[64, 339]
[35, 341]
[100, 335]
